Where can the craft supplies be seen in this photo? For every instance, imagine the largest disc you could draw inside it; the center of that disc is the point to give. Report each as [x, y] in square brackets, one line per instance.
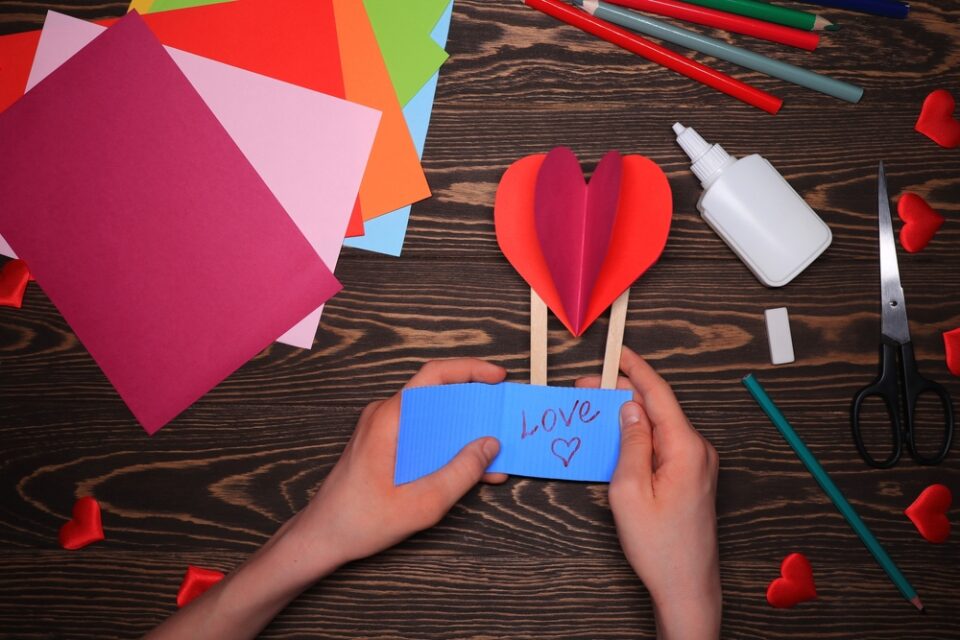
[898, 366]
[14, 277]
[722, 50]
[846, 509]
[727, 21]
[937, 120]
[778, 335]
[885, 8]
[951, 347]
[755, 211]
[771, 13]
[660, 55]
[920, 222]
[84, 527]
[928, 513]
[795, 584]
[196, 581]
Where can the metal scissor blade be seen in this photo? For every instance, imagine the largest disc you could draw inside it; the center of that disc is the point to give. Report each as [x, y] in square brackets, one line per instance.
[893, 309]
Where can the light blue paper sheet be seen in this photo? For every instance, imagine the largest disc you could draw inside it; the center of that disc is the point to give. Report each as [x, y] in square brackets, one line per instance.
[545, 432]
[385, 234]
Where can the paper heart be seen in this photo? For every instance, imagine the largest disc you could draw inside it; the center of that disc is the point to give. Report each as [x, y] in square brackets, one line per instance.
[195, 582]
[936, 119]
[13, 283]
[951, 344]
[565, 449]
[639, 232]
[795, 584]
[920, 222]
[85, 527]
[929, 513]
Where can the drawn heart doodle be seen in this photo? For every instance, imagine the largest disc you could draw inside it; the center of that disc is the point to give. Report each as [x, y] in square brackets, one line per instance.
[920, 222]
[565, 449]
[929, 513]
[795, 584]
[936, 119]
[85, 527]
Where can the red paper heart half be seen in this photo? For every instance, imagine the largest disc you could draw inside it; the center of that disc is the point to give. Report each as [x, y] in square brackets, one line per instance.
[640, 230]
[951, 344]
[85, 527]
[920, 222]
[13, 283]
[795, 584]
[195, 582]
[928, 513]
[936, 119]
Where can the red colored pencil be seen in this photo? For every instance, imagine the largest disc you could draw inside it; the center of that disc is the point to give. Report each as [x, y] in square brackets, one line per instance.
[728, 21]
[660, 55]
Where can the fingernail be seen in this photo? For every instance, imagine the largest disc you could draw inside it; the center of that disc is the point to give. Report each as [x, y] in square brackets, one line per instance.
[491, 447]
[629, 414]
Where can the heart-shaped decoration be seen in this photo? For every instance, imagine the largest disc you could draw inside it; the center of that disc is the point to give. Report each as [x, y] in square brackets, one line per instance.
[936, 119]
[640, 229]
[195, 582]
[795, 584]
[951, 344]
[920, 222]
[85, 527]
[13, 283]
[928, 513]
[565, 449]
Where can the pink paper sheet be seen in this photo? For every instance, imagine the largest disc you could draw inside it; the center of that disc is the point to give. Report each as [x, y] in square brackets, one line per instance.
[172, 277]
[310, 148]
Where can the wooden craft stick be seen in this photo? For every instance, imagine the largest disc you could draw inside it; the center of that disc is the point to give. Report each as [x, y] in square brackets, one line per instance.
[611, 359]
[538, 339]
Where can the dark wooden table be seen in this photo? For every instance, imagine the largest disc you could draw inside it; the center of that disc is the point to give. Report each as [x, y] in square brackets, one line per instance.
[531, 559]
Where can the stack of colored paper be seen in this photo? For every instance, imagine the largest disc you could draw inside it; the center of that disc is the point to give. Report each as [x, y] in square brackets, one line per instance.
[184, 205]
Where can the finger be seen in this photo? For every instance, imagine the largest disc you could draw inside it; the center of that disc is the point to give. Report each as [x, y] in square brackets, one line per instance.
[635, 466]
[448, 484]
[588, 382]
[494, 478]
[457, 370]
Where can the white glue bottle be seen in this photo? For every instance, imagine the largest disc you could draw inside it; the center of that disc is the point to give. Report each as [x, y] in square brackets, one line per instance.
[756, 212]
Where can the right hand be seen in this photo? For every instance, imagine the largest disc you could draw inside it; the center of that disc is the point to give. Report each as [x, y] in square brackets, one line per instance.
[663, 498]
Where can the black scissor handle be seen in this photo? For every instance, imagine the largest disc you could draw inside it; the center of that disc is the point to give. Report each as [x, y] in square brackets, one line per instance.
[914, 385]
[886, 386]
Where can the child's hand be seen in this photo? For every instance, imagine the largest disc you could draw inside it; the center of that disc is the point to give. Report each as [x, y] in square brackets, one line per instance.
[358, 511]
[663, 496]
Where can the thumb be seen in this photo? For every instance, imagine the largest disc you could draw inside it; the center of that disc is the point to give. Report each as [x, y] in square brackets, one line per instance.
[635, 466]
[449, 483]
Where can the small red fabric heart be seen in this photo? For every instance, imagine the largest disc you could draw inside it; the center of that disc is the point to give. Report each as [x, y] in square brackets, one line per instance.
[565, 449]
[920, 222]
[951, 344]
[795, 584]
[929, 513]
[85, 527]
[936, 119]
[195, 582]
[13, 283]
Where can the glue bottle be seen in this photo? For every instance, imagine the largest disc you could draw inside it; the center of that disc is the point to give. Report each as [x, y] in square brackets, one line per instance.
[755, 211]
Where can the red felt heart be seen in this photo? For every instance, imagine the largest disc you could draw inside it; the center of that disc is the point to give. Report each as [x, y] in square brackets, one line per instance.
[929, 513]
[13, 283]
[936, 119]
[795, 584]
[644, 211]
[195, 582]
[951, 344]
[565, 449]
[85, 527]
[920, 222]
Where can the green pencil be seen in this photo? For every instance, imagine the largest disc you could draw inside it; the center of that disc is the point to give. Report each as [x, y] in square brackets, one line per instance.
[813, 466]
[770, 13]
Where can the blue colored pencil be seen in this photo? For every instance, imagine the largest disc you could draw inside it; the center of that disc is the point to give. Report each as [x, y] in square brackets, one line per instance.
[885, 8]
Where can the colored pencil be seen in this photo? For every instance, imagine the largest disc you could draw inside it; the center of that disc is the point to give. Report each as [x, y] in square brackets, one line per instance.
[720, 49]
[770, 13]
[885, 8]
[813, 466]
[655, 53]
[727, 21]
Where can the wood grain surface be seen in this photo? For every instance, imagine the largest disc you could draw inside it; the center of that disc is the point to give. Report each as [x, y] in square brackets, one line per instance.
[530, 559]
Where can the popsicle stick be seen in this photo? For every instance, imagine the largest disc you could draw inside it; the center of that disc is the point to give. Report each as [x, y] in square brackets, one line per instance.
[611, 359]
[538, 339]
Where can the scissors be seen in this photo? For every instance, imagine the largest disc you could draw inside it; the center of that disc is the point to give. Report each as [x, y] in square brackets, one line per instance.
[899, 383]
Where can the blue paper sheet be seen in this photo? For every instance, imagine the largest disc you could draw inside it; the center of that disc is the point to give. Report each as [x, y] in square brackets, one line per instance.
[385, 234]
[545, 432]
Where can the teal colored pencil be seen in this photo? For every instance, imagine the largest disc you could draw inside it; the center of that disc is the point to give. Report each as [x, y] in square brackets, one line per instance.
[813, 466]
[720, 49]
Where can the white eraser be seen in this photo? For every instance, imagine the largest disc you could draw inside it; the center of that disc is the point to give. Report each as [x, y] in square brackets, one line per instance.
[778, 334]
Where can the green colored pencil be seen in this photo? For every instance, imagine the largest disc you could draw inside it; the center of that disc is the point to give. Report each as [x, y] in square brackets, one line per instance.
[770, 13]
[813, 466]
